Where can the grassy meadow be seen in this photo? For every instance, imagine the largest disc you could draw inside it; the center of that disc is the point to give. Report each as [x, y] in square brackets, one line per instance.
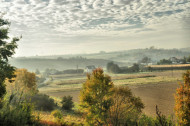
[146, 85]
[64, 82]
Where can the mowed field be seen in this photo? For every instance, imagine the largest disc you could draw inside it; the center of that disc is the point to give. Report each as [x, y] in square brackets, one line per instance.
[154, 88]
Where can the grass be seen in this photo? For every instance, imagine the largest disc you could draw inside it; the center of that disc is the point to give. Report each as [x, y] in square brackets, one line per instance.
[147, 80]
[75, 83]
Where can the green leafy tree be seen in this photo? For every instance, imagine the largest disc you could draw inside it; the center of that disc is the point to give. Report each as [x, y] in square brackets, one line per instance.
[145, 60]
[24, 82]
[126, 108]
[95, 97]
[164, 61]
[135, 68]
[113, 68]
[7, 49]
[182, 99]
[67, 103]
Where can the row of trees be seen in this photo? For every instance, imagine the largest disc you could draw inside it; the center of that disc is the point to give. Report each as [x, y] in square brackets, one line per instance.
[114, 68]
[183, 60]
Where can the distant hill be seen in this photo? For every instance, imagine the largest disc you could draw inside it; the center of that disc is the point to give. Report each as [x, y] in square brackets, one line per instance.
[130, 56]
[122, 58]
[60, 64]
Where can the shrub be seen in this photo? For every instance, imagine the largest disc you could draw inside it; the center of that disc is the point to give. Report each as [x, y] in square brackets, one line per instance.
[19, 114]
[67, 103]
[145, 120]
[24, 82]
[43, 102]
[57, 114]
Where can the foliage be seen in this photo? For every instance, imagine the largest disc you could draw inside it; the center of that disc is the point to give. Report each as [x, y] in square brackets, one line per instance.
[145, 120]
[43, 102]
[164, 61]
[135, 67]
[7, 49]
[162, 120]
[24, 82]
[17, 114]
[182, 99]
[113, 68]
[57, 114]
[126, 108]
[67, 103]
[95, 97]
[145, 60]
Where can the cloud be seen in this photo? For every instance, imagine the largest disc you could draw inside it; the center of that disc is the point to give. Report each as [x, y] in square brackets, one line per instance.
[101, 18]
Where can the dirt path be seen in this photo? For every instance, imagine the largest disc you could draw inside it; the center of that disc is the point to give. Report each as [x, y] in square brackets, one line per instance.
[161, 94]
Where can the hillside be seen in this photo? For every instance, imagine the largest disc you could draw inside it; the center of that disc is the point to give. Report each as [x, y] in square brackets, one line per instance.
[122, 58]
[60, 64]
[129, 56]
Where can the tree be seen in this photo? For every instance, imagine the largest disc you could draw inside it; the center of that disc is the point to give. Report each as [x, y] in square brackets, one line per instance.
[67, 103]
[164, 61]
[126, 108]
[95, 97]
[135, 67]
[113, 68]
[182, 99]
[7, 49]
[23, 82]
[145, 60]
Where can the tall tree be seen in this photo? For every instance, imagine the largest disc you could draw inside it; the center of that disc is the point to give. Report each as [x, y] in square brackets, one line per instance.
[182, 98]
[96, 97]
[24, 82]
[126, 108]
[7, 49]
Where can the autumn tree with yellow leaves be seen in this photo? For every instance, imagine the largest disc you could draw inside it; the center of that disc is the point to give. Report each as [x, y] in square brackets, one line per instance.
[95, 97]
[182, 98]
[23, 82]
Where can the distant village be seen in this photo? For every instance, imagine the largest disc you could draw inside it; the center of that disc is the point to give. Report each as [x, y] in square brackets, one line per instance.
[145, 64]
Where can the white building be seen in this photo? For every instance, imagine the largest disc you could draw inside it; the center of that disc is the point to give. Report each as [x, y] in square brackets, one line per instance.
[90, 68]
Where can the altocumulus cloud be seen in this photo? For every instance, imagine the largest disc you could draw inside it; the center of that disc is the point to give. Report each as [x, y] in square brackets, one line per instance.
[63, 25]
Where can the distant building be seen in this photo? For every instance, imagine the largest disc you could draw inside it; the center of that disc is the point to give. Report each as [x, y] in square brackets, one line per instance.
[90, 68]
[174, 60]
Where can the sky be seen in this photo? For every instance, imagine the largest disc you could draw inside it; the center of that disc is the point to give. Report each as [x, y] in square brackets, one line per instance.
[55, 27]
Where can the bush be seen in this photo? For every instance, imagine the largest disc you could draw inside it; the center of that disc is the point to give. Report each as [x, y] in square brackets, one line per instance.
[67, 103]
[57, 114]
[43, 102]
[19, 114]
[145, 120]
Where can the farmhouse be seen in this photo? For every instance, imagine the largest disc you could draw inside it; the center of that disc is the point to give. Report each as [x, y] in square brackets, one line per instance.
[90, 68]
[174, 60]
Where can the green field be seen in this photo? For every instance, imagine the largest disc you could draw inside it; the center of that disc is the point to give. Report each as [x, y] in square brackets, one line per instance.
[74, 82]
